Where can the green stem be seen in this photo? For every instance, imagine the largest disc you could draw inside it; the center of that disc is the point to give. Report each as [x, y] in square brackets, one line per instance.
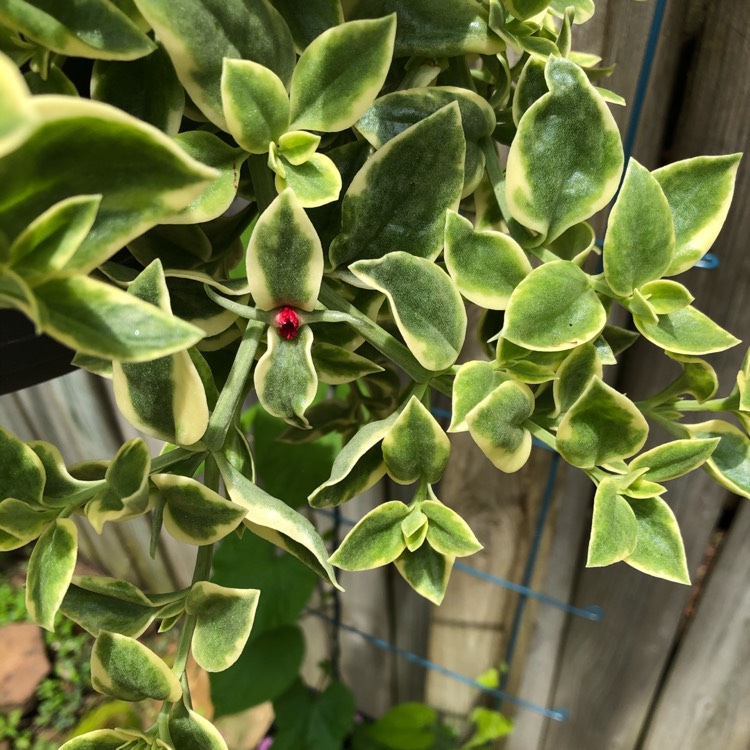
[244, 311]
[262, 177]
[542, 435]
[716, 404]
[234, 388]
[496, 175]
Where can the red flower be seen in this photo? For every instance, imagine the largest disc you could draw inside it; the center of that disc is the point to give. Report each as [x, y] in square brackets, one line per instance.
[287, 322]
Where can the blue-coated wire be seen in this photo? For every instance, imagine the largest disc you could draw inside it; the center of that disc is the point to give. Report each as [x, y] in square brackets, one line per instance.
[558, 714]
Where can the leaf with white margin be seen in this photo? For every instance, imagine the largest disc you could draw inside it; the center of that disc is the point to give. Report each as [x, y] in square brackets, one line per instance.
[674, 459]
[496, 425]
[340, 73]
[575, 244]
[285, 377]
[315, 182]
[376, 540]
[553, 309]
[50, 571]
[416, 446]
[486, 266]
[729, 464]
[426, 571]
[276, 522]
[531, 86]
[256, 104]
[125, 669]
[297, 146]
[163, 397]
[336, 365]
[284, 259]
[48, 243]
[213, 202]
[602, 425]
[319, 16]
[447, 532]
[204, 32]
[640, 240]
[21, 523]
[665, 296]
[15, 292]
[434, 28]
[358, 466]
[193, 513]
[426, 305]
[126, 492]
[659, 550]
[574, 375]
[382, 212]
[87, 28]
[613, 527]
[699, 192]
[100, 604]
[17, 115]
[146, 88]
[414, 529]
[686, 331]
[89, 148]
[584, 9]
[698, 378]
[472, 384]
[23, 474]
[189, 730]
[101, 739]
[566, 159]
[224, 621]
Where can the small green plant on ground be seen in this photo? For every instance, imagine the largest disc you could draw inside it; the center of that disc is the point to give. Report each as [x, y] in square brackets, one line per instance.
[355, 146]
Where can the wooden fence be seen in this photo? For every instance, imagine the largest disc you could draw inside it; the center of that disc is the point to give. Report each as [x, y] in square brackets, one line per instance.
[668, 667]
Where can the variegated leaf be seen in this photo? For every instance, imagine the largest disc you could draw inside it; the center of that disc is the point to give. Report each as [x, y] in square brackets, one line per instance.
[21, 523]
[447, 532]
[426, 305]
[614, 527]
[472, 384]
[674, 459]
[127, 670]
[729, 464]
[319, 16]
[189, 730]
[336, 365]
[566, 159]
[17, 115]
[224, 621]
[23, 474]
[426, 571]
[314, 182]
[100, 739]
[574, 374]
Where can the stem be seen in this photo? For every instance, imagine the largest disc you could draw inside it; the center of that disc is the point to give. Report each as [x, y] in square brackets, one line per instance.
[542, 435]
[234, 388]
[262, 178]
[244, 311]
[715, 404]
[496, 175]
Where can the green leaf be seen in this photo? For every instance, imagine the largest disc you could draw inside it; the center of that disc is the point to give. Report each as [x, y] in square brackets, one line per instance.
[55, 83]
[99, 739]
[59, 484]
[490, 725]
[88, 148]
[275, 521]
[531, 86]
[699, 192]
[146, 88]
[125, 669]
[574, 374]
[614, 527]
[659, 550]
[666, 296]
[416, 446]
[297, 146]
[224, 621]
[574, 244]
[17, 115]
[434, 28]
[23, 474]
[447, 532]
[292, 277]
[20, 523]
[566, 159]
[602, 425]
[313, 721]
[584, 9]
[486, 266]
[126, 493]
[698, 378]
[194, 514]
[414, 529]
[472, 384]
[382, 212]
[336, 365]
[496, 425]
[340, 73]
[285, 378]
[164, 397]
[729, 464]
[318, 16]
[315, 182]
[50, 571]
[357, 467]
[204, 32]
[51, 240]
[100, 604]
[426, 571]
[686, 331]
[256, 105]
[674, 459]
[410, 726]
[426, 305]
[188, 730]
[376, 540]
[86, 28]
[640, 240]
[554, 308]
